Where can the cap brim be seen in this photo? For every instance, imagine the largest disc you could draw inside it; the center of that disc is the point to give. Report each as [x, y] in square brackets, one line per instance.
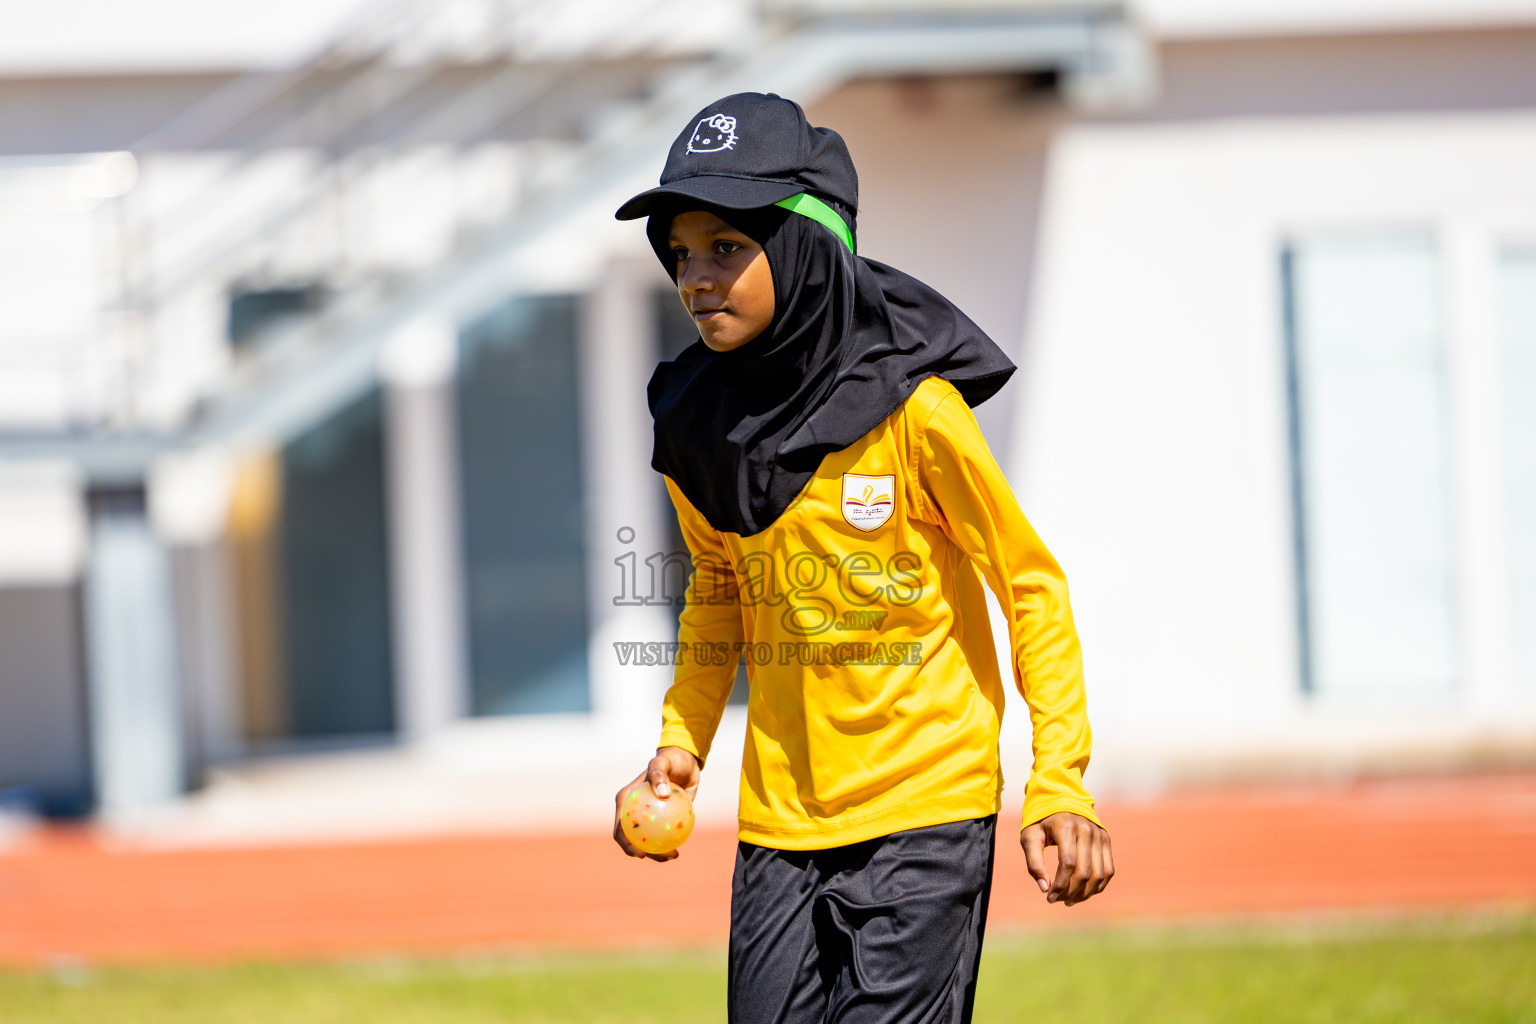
[714, 189]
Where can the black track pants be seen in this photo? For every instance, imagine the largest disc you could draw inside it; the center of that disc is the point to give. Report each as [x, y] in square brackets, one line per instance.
[887, 931]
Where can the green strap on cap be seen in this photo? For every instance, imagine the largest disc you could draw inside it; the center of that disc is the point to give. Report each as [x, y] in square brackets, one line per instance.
[808, 205]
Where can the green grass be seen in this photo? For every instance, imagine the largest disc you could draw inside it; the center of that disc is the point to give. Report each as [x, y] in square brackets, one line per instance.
[1464, 971]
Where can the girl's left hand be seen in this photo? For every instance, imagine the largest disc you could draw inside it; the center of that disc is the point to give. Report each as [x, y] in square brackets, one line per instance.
[1084, 861]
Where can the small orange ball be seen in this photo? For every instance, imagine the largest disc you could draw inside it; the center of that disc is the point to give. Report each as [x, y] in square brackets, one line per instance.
[654, 825]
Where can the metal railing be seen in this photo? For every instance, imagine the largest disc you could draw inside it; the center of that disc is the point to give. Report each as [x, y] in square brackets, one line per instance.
[303, 155]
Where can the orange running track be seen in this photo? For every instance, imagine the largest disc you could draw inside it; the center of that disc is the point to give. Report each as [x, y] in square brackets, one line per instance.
[1458, 843]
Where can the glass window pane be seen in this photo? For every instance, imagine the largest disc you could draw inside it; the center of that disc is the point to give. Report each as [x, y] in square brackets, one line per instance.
[525, 553]
[1370, 433]
[1517, 309]
[335, 573]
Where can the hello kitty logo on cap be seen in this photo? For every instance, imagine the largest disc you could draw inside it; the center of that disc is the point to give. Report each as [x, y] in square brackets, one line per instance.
[714, 135]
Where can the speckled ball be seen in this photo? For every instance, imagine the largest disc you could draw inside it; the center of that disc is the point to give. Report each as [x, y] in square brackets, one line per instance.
[655, 825]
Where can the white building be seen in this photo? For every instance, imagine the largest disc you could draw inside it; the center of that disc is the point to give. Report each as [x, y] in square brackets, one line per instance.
[324, 450]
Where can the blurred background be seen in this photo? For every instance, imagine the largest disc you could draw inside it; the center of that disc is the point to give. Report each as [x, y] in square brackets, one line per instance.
[324, 456]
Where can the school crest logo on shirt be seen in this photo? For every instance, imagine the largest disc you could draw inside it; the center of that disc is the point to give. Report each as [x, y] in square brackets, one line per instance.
[868, 500]
[714, 135]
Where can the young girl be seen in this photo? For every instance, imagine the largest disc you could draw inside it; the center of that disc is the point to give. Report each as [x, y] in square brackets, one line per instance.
[842, 509]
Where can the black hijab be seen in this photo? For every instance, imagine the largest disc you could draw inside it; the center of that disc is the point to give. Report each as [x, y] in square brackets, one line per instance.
[742, 432]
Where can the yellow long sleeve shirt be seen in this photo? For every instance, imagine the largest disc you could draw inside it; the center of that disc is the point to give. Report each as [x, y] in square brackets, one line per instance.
[875, 693]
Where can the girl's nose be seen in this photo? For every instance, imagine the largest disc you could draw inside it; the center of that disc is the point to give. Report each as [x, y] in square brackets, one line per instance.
[694, 279]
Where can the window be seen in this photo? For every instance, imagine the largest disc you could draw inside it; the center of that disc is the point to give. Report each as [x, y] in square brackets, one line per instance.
[1517, 322]
[525, 550]
[1366, 384]
[335, 576]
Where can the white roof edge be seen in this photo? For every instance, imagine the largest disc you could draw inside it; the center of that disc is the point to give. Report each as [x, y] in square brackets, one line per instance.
[1213, 19]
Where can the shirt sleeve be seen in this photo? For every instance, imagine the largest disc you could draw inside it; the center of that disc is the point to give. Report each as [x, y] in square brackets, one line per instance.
[709, 630]
[970, 498]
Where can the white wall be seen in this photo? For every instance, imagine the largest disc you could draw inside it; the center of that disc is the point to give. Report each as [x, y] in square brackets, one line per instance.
[950, 173]
[1151, 444]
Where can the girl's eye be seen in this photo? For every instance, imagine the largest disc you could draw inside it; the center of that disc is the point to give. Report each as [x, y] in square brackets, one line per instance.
[725, 248]
[679, 253]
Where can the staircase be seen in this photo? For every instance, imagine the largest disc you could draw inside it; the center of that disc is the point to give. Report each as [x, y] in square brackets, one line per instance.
[420, 162]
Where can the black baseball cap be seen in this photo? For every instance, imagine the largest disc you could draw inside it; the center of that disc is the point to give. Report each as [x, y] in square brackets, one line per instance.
[748, 150]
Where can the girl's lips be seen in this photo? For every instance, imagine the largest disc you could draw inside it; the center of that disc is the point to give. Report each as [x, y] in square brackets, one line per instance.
[707, 314]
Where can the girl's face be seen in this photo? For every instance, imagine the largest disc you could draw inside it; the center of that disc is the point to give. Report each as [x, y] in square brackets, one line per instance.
[723, 279]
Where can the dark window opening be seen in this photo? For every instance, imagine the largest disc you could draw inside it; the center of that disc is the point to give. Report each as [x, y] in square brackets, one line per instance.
[524, 543]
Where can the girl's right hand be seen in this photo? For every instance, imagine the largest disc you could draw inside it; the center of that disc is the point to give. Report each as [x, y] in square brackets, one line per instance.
[672, 766]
